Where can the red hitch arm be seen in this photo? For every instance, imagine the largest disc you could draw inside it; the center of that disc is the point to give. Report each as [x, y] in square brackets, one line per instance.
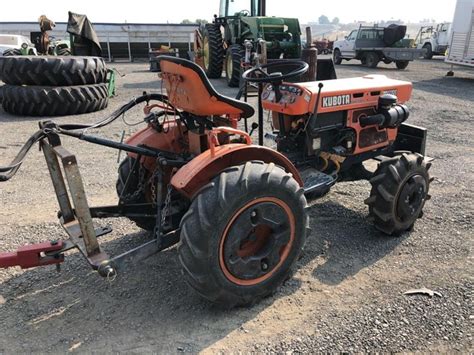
[34, 255]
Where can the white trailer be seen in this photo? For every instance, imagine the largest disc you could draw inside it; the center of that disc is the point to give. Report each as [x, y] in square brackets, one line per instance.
[461, 47]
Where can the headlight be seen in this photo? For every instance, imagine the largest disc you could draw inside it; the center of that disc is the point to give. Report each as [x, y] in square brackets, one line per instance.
[24, 45]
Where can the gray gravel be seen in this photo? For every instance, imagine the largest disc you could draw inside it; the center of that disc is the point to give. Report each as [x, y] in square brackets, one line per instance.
[347, 294]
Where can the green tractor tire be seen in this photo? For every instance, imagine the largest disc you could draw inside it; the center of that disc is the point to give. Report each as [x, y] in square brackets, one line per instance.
[213, 51]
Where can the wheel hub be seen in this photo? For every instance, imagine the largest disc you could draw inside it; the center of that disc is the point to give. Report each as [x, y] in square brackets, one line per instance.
[411, 198]
[206, 53]
[257, 240]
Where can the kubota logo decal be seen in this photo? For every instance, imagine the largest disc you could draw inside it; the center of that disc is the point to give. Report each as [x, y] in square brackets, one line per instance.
[339, 100]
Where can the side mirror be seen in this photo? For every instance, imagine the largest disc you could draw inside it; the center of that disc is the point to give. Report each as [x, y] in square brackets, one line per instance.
[346, 37]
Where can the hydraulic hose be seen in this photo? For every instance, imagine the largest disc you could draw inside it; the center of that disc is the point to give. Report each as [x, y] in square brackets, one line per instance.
[7, 172]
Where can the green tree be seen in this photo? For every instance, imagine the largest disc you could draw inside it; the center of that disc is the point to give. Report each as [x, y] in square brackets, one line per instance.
[201, 21]
[186, 22]
[324, 20]
[335, 21]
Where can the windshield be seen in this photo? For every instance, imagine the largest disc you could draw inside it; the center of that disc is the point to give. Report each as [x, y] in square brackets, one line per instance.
[233, 7]
[8, 40]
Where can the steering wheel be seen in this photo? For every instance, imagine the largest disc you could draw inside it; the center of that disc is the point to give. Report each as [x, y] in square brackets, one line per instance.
[258, 74]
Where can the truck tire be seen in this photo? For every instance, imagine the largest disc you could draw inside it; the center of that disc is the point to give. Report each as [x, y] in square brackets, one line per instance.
[428, 51]
[243, 234]
[232, 64]
[213, 51]
[337, 57]
[400, 189]
[52, 71]
[54, 101]
[371, 59]
[402, 64]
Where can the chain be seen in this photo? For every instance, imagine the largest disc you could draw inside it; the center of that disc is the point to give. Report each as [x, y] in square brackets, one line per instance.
[140, 188]
[166, 207]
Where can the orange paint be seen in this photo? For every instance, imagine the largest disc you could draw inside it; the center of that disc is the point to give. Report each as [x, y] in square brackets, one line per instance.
[285, 251]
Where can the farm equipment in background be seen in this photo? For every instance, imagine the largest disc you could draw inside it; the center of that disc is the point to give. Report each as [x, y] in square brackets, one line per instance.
[232, 42]
[47, 45]
[154, 54]
[434, 40]
[324, 46]
[461, 41]
[238, 210]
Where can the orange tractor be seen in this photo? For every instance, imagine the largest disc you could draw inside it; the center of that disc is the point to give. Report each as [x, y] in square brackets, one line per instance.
[237, 210]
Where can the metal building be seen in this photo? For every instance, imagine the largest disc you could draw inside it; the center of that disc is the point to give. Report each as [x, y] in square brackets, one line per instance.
[122, 41]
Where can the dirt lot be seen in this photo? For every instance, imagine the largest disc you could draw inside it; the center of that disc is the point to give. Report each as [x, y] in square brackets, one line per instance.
[346, 295]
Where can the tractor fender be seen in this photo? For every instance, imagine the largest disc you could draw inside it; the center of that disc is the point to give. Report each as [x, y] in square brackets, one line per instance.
[202, 169]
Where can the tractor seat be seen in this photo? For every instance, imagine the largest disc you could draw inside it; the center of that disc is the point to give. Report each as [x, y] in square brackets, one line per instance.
[190, 90]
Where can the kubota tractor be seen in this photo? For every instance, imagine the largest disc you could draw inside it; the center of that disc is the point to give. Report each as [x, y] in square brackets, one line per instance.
[237, 210]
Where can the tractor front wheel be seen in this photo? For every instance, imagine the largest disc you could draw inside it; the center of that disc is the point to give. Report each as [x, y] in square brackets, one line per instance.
[233, 59]
[213, 51]
[399, 191]
[243, 234]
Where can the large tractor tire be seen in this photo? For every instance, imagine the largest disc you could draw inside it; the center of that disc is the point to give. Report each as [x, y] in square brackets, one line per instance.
[428, 51]
[213, 48]
[11, 52]
[129, 192]
[233, 58]
[52, 71]
[400, 189]
[337, 57]
[243, 234]
[54, 101]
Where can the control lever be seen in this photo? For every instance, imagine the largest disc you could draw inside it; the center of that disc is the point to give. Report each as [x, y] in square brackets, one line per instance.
[254, 127]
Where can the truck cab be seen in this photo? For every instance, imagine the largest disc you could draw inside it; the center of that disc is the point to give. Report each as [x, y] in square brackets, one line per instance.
[434, 39]
[347, 45]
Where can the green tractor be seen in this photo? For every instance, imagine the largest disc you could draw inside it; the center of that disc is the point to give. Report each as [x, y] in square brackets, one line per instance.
[236, 34]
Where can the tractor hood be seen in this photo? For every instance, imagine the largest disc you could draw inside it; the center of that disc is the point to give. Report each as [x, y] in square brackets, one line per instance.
[283, 35]
[272, 28]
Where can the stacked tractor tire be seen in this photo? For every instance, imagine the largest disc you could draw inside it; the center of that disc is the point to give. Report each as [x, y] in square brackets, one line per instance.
[53, 86]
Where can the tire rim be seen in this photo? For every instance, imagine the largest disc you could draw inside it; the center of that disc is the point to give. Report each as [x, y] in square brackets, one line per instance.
[411, 198]
[206, 52]
[229, 66]
[256, 241]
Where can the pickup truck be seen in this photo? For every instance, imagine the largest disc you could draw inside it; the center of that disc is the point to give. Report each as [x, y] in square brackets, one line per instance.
[372, 45]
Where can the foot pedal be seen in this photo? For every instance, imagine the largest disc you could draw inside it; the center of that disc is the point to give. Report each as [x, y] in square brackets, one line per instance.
[316, 181]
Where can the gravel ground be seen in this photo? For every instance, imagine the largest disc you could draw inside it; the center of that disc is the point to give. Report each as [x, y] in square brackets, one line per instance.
[347, 294]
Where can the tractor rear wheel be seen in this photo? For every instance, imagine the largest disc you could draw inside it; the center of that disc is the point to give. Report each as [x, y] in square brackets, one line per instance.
[233, 59]
[54, 100]
[399, 191]
[213, 48]
[243, 234]
[53, 71]
[371, 59]
[10, 52]
[129, 191]
[337, 57]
